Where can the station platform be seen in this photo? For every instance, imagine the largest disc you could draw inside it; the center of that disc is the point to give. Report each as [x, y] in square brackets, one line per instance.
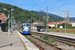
[28, 44]
[11, 42]
[67, 35]
[15, 41]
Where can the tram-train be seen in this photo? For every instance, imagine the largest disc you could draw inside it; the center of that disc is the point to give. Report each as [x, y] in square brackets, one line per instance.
[26, 28]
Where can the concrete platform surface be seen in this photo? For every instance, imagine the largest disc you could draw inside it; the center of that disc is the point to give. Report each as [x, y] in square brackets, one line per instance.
[11, 42]
[67, 35]
[28, 44]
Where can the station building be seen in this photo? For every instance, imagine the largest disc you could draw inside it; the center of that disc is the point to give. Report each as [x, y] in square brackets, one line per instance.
[3, 22]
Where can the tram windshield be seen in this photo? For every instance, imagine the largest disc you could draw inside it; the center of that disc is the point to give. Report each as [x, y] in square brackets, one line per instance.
[27, 24]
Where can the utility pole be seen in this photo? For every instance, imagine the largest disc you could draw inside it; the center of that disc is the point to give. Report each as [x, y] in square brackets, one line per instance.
[8, 22]
[47, 18]
[11, 20]
[67, 18]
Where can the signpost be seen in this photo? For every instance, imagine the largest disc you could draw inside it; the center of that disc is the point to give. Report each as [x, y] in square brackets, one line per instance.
[61, 29]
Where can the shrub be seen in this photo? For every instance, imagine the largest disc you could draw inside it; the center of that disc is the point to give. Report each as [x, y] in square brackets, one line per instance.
[70, 45]
[40, 36]
[57, 31]
[48, 41]
[52, 40]
[45, 37]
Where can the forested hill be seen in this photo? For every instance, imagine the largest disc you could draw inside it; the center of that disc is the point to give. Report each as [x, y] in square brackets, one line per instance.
[53, 17]
[72, 18]
[20, 15]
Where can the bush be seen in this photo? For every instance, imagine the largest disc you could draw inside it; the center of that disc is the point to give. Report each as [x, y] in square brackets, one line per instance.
[45, 37]
[40, 36]
[57, 31]
[52, 40]
[53, 28]
[48, 41]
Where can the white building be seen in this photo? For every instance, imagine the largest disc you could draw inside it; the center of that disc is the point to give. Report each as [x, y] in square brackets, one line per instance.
[73, 24]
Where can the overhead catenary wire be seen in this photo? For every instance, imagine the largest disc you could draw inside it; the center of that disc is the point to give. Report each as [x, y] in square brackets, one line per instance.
[34, 4]
[53, 4]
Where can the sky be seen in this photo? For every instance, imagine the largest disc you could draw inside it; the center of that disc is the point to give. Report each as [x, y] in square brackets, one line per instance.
[54, 6]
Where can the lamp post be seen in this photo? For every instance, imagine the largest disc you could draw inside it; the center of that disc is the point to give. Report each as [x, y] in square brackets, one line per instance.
[8, 23]
[11, 19]
[65, 21]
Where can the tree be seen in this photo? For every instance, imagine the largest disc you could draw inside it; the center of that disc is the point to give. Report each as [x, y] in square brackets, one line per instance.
[67, 25]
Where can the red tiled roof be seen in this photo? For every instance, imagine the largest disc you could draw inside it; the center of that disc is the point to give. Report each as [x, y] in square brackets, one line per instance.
[3, 17]
[72, 22]
[52, 22]
[62, 22]
[38, 22]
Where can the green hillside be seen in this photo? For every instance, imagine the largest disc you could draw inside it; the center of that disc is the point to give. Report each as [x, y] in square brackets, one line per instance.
[20, 15]
[52, 17]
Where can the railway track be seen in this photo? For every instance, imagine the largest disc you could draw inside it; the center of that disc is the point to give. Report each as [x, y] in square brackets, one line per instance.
[41, 43]
[65, 41]
[68, 44]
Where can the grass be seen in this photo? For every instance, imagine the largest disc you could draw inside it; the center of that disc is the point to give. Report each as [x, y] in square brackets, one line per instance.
[35, 41]
[62, 32]
[33, 32]
[28, 38]
[55, 38]
[55, 44]
[73, 32]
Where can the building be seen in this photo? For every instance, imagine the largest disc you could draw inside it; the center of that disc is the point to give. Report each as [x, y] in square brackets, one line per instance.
[52, 24]
[60, 22]
[37, 23]
[73, 23]
[55, 24]
[3, 20]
